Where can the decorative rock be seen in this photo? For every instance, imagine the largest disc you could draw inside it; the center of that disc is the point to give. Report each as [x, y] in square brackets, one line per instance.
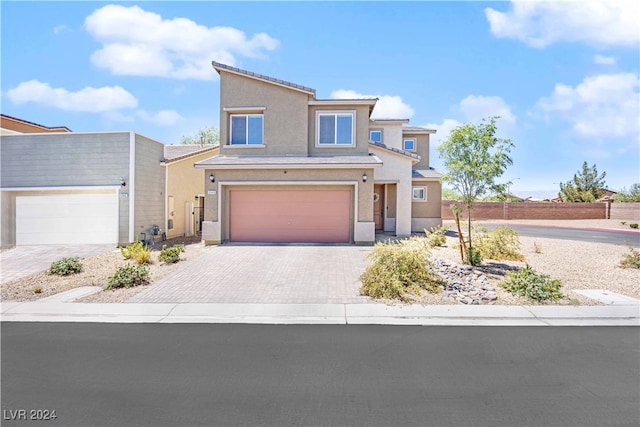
[463, 284]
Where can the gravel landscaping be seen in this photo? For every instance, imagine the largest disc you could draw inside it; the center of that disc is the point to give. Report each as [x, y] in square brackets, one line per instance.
[579, 265]
[95, 272]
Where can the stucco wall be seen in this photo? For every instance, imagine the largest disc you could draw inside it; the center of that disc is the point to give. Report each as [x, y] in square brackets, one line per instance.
[7, 219]
[183, 184]
[391, 134]
[397, 169]
[432, 207]
[64, 159]
[285, 115]
[422, 150]
[361, 131]
[149, 198]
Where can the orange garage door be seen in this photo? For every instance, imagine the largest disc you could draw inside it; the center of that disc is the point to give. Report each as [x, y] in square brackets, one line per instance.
[295, 216]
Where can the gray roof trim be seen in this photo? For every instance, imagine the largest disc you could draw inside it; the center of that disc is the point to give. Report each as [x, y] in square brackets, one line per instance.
[390, 121]
[417, 130]
[219, 67]
[425, 174]
[337, 101]
[290, 162]
[395, 150]
[195, 152]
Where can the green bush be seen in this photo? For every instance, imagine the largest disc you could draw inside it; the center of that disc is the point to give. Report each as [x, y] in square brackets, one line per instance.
[631, 260]
[436, 236]
[65, 266]
[138, 252]
[531, 285]
[398, 269]
[170, 255]
[633, 225]
[501, 244]
[128, 276]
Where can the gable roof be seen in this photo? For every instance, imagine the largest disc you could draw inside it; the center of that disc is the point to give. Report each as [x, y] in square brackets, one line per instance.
[174, 153]
[223, 67]
[6, 121]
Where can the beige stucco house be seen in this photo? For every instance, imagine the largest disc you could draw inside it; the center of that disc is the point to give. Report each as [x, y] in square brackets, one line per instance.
[185, 188]
[294, 168]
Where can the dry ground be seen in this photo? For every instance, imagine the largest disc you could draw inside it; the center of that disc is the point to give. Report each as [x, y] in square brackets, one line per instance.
[95, 272]
[580, 265]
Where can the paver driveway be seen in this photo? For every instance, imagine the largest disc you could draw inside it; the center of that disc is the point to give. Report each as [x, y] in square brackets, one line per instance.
[265, 274]
[21, 261]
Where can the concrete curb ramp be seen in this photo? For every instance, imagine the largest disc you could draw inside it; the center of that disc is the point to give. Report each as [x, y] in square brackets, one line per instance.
[338, 314]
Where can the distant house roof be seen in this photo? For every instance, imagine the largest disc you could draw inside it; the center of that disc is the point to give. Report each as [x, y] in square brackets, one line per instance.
[394, 150]
[389, 121]
[219, 66]
[174, 153]
[417, 129]
[24, 126]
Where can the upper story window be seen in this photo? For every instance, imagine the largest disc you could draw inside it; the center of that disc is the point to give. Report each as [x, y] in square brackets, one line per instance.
[246, 129]
[375, 135]
[335, 128]
[409, 144]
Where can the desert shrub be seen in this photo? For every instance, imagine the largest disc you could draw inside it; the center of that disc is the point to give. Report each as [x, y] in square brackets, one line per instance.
[128, 276]
[532, 285]
[633, 225]
[398, 269]
[436, 236]
[138, 252]
[65, 266]
[631, 260]
[170, 255]
[475, 256]
[501, 244]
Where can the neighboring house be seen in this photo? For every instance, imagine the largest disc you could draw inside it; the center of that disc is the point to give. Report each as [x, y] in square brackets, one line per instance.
[185, 188]
[11, 125]
[294, 168]
[70, 188]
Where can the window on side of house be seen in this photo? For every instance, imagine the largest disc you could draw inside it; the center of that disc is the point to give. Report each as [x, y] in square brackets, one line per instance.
[419, 194]
[246, 129]
[335, 128]
[375, 136]
[409, 144]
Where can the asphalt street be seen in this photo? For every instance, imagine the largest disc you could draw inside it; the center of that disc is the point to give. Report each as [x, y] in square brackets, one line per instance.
[276, 375]
[566, 233]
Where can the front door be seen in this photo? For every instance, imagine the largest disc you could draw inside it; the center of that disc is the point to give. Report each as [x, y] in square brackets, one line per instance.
[378, 206]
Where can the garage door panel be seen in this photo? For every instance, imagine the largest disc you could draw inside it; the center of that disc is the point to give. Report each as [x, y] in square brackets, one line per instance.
[320, 216]
[67, 218]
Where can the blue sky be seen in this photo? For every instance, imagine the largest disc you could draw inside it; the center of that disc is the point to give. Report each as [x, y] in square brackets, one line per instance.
[564, 76]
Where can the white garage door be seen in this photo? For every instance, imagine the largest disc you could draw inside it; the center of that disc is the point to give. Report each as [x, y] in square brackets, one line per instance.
[79, 218]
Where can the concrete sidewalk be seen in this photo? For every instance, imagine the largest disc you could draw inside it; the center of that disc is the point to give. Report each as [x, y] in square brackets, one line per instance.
[339, 314]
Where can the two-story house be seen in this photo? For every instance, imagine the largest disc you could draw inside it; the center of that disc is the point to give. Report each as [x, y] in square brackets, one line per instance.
[294, 168]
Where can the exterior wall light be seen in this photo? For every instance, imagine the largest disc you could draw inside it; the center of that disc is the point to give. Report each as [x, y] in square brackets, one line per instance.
[364, 177]
[212, 178]
[122, 181]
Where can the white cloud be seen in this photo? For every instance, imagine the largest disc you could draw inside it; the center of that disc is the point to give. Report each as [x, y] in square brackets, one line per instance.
[161, 118]
[477, 107]
[387, 107]
[602, 105]
[88, 99]
[443, 130]
[604, 60]
[59, 29]
[137, 42]
[594, 22]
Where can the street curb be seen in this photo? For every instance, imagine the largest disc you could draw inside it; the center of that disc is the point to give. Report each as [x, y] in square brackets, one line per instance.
[336, 314]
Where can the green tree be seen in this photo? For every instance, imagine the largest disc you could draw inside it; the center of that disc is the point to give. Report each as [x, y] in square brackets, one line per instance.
[586, 185]
[626, 196]
[209, 135]
[474, 157]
